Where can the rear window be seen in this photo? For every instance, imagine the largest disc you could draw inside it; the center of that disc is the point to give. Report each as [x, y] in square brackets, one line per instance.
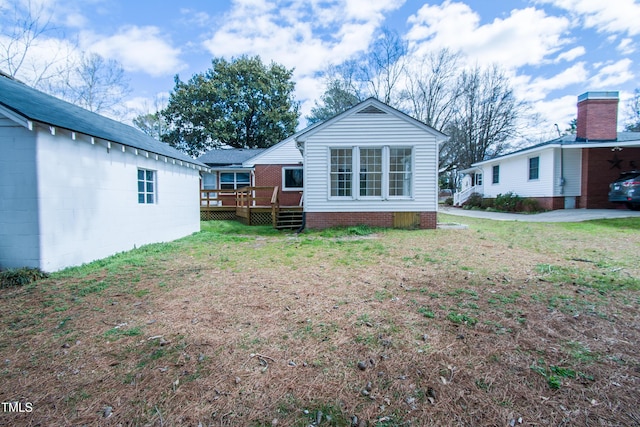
[628, 175]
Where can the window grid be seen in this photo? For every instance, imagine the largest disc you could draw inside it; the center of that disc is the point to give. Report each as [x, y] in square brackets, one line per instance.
[341, 174]
[534, 168]
[146, 186]
[371, 172]
[400, 172]
[234, 180]
[496, 174]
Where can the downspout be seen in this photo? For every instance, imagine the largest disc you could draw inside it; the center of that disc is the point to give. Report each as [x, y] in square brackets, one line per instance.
[561, 161]
[304, 223]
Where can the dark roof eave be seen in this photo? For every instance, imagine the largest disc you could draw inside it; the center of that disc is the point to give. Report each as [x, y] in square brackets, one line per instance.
[33, 106]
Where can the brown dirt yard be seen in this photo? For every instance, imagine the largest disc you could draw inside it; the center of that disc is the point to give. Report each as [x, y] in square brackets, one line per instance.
[499, 324]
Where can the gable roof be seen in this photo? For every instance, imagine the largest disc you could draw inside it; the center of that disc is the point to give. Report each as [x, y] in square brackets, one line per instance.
[229, 156]
[32, 105]
[284, 142]
[624, 139]
[370, 106]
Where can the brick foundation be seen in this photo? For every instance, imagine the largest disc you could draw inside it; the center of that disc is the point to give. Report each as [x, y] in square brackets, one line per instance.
[550, 203]
[320, 220]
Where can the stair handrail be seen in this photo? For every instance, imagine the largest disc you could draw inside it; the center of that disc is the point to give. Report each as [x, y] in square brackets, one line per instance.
[459, 197]
[275, 206]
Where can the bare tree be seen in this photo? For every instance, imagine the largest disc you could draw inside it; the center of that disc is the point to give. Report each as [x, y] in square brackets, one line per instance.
[384, 66]
[337, 97]
[24, 29]
[94, 83]
[485, 120]
[376, 73]
[152, 122]
[633, 110]
[431, 89]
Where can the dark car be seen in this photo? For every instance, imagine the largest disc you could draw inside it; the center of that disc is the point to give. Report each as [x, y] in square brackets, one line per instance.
[626, 189]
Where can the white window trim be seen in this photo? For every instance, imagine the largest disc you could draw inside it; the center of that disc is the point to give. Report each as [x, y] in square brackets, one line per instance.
[388, 172]
[145, 192]
[235, 180]
[356, 182]
[492, 169]
[284, 187]
[529, 168]
[353, 189]
[355, 173]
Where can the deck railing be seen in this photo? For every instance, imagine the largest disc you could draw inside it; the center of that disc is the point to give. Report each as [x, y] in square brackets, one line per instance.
[210, 198]
[248, 197]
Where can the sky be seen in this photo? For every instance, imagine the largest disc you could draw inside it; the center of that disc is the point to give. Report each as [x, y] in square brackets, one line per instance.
[552, 50]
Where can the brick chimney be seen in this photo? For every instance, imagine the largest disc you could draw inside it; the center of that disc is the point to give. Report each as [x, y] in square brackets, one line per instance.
[597, 116]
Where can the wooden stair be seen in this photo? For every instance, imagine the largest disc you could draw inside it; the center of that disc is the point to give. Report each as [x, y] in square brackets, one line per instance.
[289, 219]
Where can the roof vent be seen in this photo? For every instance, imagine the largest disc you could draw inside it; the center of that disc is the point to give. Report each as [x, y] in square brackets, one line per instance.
[371, 110]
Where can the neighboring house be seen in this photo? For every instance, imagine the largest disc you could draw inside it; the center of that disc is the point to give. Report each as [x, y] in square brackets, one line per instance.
[371, 165]
[76, 186]
[227, 173]
[572, 171]
[232, 169]
[281, 166]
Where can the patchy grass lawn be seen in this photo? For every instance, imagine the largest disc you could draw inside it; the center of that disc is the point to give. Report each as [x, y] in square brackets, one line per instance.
[503, 323]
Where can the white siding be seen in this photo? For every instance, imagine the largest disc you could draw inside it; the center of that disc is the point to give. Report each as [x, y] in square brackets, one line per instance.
[371, 130]
[284, 153]
[88, 200]
[572, 172]
[514, 174]
[18, 197]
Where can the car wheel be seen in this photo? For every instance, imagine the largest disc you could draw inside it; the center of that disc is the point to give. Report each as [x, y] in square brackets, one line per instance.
[634, 206]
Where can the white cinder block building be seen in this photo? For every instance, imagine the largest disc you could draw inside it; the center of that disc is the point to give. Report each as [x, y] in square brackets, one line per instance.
[76, 186]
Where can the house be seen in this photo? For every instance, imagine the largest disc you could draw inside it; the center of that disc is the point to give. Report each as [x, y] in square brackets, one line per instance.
[256, 186]
[76, 186]
[277, 166]
[572, 171]
[227, 173]
[370, 165]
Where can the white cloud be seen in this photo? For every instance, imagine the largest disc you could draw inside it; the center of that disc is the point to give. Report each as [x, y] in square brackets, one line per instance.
[43, 60]
[612, 75]
[526, 37]
[617, 16]
[571, 54]
[307, 36]
[540, 87]
[141, 49]
[558, 111]
[193, 17]
[626, 46]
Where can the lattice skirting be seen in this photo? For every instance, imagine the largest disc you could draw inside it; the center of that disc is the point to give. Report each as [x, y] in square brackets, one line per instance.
[217, 215]
[257, 218]
[261, 218]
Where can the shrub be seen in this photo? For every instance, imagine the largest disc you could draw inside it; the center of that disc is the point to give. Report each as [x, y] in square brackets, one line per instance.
[448, 201]
[488, 203]
[530, 205]
[507, 202]
[20, 277]
[474, 201]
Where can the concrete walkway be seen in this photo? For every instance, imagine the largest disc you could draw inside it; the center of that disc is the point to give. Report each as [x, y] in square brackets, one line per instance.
[561, 215]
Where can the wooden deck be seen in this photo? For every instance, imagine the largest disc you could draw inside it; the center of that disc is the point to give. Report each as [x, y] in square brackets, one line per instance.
[253, 206]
